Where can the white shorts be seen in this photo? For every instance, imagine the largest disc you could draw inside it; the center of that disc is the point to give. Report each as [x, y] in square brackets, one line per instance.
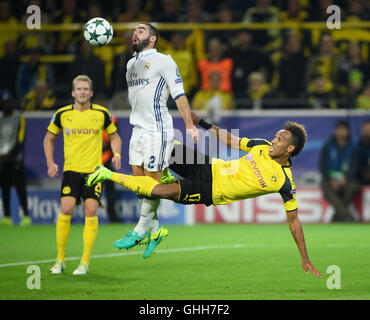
[151, 149]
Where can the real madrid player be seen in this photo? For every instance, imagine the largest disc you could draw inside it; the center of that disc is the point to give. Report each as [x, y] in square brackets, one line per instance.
[82, 123]
[151, 77]
[264, 169]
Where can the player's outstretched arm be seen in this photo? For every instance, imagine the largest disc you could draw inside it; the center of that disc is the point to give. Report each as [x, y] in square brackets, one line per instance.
[221, 134]
[297, 233]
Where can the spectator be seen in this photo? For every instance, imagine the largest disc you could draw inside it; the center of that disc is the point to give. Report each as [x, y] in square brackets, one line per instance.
[168, 11]
[67, 41]
[185, 61]
[360, 165]
[320, 93]
[292, 68]
[39, 99]
[95, 10]
[326, 62]
[267, 40]
[356, 11]
[213, 100]
[89, 64]
[318, 10]
[294, 12]
[335, 160]
[134, 12]
[359, 175]
[32, 71]
[224, 15]
[247, 59]
[50, 6]
[353, 72]
[363, 100]
[258, 89]
[9, 65]
[33, 39]
[12, 133]
[216, 62]
[7, 21]
[195, 40]
[194, 13]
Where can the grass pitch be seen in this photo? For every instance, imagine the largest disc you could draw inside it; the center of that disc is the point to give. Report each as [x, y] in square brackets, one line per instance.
[202, 262]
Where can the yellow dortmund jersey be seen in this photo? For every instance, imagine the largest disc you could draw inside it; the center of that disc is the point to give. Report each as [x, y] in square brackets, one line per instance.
[253, 175]
[82, 134]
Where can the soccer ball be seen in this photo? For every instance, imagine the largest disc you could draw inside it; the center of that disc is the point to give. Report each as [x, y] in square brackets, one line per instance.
[98, 32]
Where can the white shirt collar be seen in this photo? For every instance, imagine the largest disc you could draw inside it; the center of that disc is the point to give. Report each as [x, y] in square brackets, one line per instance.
[144, 53]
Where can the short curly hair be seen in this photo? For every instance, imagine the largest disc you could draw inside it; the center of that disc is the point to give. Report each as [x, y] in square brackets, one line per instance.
[299, 136]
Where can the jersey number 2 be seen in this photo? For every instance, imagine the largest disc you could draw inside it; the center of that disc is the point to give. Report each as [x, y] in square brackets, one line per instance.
[151, 162]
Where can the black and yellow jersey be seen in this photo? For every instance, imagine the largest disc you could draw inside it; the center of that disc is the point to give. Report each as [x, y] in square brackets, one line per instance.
[82, 134]
[252, 175]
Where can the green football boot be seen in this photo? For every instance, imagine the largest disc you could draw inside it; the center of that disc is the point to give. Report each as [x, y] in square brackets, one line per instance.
[167, 177]
[131, 239]
[100, 174]
[154, 241]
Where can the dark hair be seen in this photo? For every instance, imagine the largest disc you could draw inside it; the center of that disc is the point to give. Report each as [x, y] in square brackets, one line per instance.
[342, 123]
[299, 136]
[153, 31]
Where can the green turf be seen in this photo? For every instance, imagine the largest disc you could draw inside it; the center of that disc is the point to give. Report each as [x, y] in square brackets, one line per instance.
[195, 262]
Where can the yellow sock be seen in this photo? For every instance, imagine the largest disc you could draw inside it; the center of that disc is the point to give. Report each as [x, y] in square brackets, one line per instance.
[89, 236]
[139, 184]
[63, 228]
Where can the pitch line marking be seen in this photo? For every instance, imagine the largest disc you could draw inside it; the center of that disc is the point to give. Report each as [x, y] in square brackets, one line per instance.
[135, 253]
[174, 250]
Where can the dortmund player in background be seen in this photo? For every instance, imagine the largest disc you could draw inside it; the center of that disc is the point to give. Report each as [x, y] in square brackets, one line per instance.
[82, 123]
[265, 169]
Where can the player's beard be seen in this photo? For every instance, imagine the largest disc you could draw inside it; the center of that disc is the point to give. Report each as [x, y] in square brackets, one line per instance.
[142, 44]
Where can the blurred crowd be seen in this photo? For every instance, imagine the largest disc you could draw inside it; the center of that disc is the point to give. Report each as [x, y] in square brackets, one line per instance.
[224, 69]
[345, 169]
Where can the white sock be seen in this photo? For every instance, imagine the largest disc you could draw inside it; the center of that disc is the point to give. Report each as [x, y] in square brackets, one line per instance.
[153, 226]
[148, 209]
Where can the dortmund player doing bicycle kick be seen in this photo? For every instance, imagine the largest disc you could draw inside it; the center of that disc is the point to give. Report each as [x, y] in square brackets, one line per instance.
[264, 169]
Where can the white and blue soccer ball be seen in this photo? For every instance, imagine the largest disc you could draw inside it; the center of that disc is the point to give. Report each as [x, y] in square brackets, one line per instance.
[98, 32]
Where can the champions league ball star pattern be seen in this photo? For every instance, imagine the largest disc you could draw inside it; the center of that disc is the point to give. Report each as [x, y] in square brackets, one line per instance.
[98, 32]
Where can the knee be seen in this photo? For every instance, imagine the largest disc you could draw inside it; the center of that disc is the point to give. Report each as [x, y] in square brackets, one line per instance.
[90, 210]
[67, 210]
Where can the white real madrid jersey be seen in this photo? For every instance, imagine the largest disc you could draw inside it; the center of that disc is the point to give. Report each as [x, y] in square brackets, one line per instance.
[151, 77]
